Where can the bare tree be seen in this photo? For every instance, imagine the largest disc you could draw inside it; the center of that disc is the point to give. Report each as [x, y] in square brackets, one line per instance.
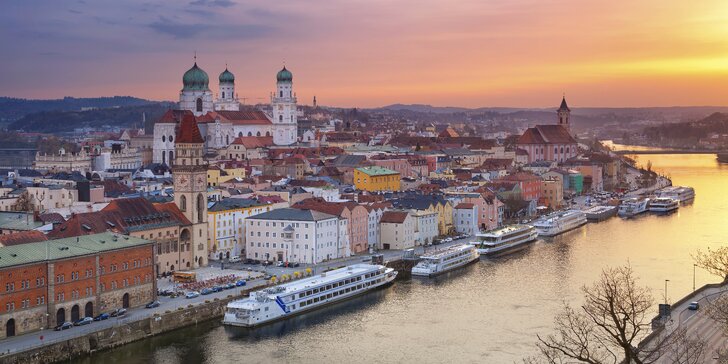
[715, 261]
[24, 202]
[610, 324]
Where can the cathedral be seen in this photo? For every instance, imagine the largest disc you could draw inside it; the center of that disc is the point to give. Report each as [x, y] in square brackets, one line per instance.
[223, 119]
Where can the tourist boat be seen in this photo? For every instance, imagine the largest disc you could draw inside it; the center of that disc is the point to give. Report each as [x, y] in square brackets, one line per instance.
[307, 294]
[599, 213]
[633, 206]
[445, 260]
[559, 222]
[723, 157]
[505, 239]
[664, 205]
[681, 193]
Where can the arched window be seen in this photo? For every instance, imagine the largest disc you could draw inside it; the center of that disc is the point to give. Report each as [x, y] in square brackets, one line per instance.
[240, 134]
[183, 203]
[171, 157]
[556, 150]
[200, 208]
[199, 105]
[281, 93]
[267, 133]
[250, 133]
[562, 149]
[171, 139]
[257, 134]
[164, 157]
[164, 138]
[567, 149]
[227, 139]
[280, 118]
[223, 94]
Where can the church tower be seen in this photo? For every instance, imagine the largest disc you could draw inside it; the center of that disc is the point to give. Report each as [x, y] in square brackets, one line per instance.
[195, 94]
[564, 114]
[190, 185]
[226, 98]
[283, 103]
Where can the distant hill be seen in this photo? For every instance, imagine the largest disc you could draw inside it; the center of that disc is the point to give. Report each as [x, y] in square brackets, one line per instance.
[67, 121]
[689, 132]
[14, 108]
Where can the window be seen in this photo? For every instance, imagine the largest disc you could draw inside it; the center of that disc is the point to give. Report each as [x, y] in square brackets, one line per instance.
[199, 104]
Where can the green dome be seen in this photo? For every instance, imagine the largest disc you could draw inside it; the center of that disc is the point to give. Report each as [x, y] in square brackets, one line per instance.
[227, 76]
[195, 79]
[284, 75]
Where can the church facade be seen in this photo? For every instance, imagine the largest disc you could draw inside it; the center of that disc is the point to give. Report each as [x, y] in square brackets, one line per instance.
[223, 119]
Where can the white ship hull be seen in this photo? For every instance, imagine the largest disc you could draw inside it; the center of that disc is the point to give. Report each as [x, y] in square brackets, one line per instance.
[271, 310]
[664, 205]
[560, 223]
[633, 208]
[470, 254]
[505, 244]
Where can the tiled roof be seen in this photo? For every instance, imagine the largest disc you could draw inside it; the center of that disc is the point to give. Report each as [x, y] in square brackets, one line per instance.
[51, 218]
[18, 221]
[234, 204]
[377, 171]
[188, 132]
[291, 214]
[65, 248]
[245, 116]
[555, 134]
[396, 217]
[254, 142]
[173, 116]
[521, 176]
[464, 206]
[23, 237]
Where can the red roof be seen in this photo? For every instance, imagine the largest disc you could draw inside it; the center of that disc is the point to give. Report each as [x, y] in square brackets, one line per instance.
[246, 116]
[31, 236]
[251, 142]
[546, 134]
[396, 217]
[464, 206]
[188, 131]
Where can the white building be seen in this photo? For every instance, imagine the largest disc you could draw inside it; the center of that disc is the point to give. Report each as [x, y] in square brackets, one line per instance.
[296, 236]
[465, 218]
[222, 120]
[425, 226]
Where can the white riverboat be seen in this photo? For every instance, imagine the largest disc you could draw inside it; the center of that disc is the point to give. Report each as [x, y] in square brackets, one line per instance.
[683, 194]
[559, 222]
[633, 206]
[289, 299]
[664, 205]
[445, 260]
[599, 213]
[505, 239]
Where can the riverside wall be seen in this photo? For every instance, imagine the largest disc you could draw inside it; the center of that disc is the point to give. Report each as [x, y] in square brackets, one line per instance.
[124, 333]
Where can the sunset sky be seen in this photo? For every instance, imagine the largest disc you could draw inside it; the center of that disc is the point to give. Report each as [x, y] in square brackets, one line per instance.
[521, 53]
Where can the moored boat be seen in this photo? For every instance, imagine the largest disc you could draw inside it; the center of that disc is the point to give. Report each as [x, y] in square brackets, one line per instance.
[505, 239]
[288, 299]
[633, 206]
[445, 260]
[559, 222]
[664, 205]
[682, 194]
[599, 213]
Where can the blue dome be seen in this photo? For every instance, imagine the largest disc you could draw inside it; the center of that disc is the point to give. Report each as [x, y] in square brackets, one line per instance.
[284, 75]
[195, 79]
[227, 76]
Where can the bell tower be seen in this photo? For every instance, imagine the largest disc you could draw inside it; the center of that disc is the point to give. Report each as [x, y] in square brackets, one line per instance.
[285, 111]
[564, 114]
[190, 184]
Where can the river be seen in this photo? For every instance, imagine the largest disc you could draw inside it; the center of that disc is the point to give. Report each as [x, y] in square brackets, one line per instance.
[489, 312]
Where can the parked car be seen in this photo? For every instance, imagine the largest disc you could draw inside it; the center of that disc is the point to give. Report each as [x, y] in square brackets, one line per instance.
[101, 317]
[229, 286]
[167, 292]
[152, 304]
[294, 265]
[694, 306]
[235, 259]
[265, 262]
[217, 288]
[280, 263]
[83, 321]
[267, 277]
[63, 326]
[240, 283]
[118, 312]
[206, 291]
[192, 294]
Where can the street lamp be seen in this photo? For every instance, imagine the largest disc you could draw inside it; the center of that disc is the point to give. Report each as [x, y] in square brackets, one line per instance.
[667, 280]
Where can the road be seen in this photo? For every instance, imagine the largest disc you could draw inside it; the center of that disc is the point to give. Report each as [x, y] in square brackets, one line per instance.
[698, 324]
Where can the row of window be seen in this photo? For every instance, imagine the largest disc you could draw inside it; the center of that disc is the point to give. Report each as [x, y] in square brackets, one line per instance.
[336, 293]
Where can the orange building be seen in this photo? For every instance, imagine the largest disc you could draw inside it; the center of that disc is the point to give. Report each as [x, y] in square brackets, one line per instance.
[51, 282]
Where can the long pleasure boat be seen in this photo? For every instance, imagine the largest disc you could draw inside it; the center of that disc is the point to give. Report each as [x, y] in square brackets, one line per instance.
[505, 239]
[289, 299]
[664, 205]
[683, 194]
[559, 222]
[633, 206]
[445, 260]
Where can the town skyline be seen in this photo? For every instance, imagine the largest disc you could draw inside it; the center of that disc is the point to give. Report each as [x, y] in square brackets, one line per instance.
[519, 54]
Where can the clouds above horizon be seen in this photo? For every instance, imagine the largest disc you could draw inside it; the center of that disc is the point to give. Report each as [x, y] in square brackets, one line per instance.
[367, 53]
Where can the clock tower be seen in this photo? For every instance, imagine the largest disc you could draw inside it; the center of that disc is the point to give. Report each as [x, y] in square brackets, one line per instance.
[190, 184]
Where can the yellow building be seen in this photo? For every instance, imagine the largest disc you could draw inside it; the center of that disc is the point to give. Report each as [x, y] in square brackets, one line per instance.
[217, 175]
[552, 193]
[376, 179]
